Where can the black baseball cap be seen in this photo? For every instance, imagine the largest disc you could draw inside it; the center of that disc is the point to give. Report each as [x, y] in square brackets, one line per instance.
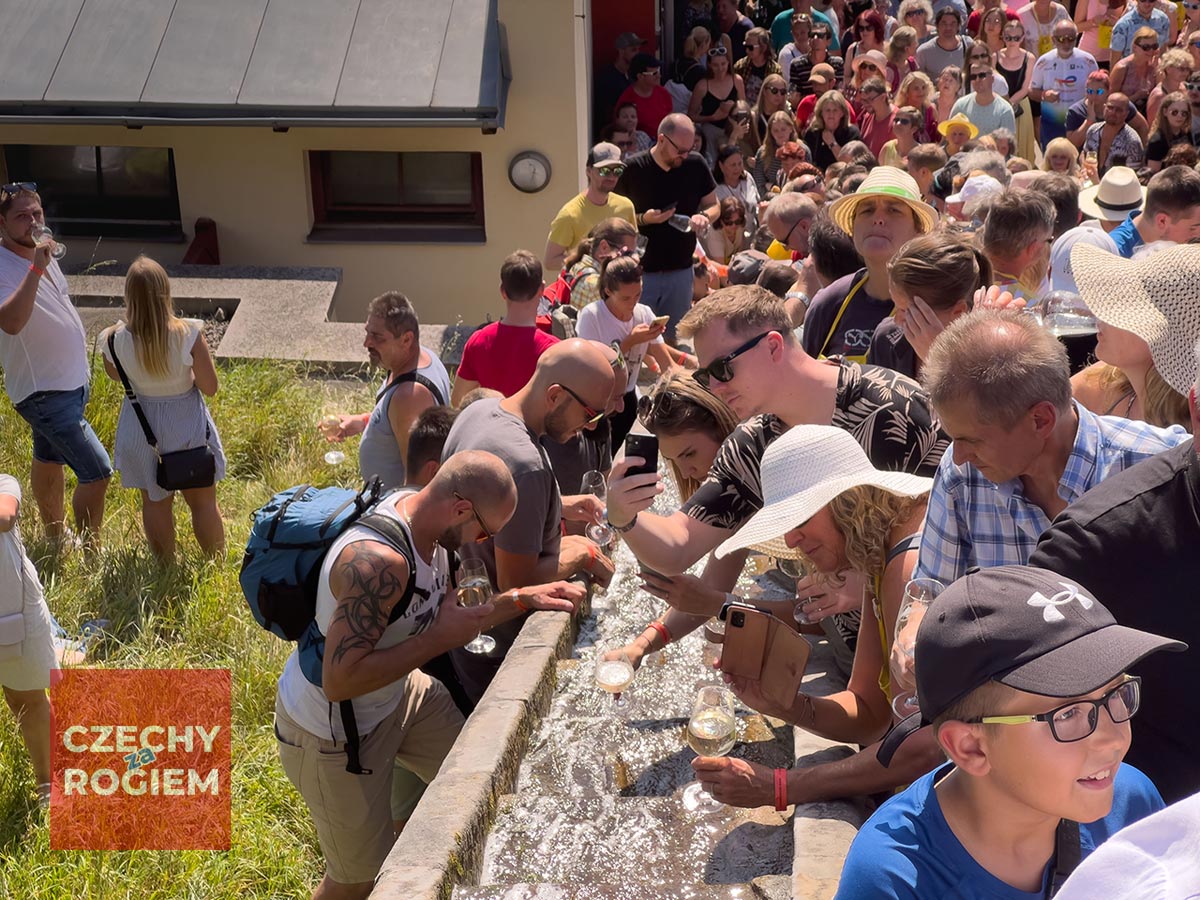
[644, 62]
[1025, 627]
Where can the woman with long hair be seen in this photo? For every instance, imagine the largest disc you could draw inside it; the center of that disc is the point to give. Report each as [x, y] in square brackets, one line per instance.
[771, 99]
[758, 63]
[916, 90]
[728, 234]
[1061, 156]
[949, 89]
[733, 181]
[868, 33]
[1174, 67]
[991, 30]
[607, 239]
[932, 281]
[830, 129]
[1172, 126]
[1015, 65]
[918, 15]
[1136, 74]
[900, 62]
[982, 8]
[693, 63]
[169, 366]
[714, 97]
[620, 320]
[781, 128]
[1190, 23]
[904, 126]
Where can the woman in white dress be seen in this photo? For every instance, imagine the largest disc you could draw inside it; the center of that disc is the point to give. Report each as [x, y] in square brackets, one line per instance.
[169, 366]
[26, 644]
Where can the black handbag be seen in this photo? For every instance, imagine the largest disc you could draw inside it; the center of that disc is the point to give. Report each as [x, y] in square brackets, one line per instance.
[195, 467]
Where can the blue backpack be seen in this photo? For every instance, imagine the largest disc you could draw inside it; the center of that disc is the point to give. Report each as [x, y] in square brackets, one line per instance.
[289, 538]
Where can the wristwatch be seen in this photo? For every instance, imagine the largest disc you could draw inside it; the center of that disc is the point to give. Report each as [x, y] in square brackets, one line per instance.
[622, 529]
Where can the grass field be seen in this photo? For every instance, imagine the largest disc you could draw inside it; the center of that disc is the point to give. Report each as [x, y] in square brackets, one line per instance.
[188, 615]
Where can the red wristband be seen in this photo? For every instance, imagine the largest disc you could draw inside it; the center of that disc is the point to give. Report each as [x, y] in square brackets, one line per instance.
[662, 630]
[516, 599]
[781, 802]
[34, 267]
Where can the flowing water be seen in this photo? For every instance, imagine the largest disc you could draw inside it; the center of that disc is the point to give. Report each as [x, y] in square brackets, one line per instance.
[596, 811]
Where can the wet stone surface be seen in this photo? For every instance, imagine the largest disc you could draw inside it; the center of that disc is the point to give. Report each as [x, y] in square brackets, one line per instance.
[596, 811]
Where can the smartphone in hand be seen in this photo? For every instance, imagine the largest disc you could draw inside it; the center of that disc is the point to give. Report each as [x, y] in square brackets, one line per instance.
[645, 446]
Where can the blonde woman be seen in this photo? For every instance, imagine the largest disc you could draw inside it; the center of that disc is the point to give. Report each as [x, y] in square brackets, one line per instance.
[1061, 156]
[916, 90]
[1136, 74]
[781, 128]
[899, 53]
[830, 129]
[1174, 67]
[169, 366]
[771, 99]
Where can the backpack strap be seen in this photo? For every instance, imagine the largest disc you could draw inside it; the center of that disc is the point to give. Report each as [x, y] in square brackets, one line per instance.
[412, 376]
[1067, 855]
[394, 535]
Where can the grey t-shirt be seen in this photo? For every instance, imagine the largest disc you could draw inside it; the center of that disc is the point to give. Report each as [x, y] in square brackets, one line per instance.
[931, 58]
[534, 529]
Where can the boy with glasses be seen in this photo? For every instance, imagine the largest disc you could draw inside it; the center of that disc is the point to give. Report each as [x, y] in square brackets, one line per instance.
[1023, 676]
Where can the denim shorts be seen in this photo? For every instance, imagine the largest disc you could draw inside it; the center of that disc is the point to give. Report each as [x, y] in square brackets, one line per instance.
[61, 435]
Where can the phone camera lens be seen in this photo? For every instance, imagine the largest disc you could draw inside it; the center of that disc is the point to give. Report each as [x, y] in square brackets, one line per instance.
[739, 619]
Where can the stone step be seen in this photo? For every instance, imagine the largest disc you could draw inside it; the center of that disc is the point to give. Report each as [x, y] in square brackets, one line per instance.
[556, 839]
[766, 888]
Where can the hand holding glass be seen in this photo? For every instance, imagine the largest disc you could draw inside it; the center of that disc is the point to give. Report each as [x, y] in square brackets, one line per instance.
[711, 731]
[614, 673]
[598, 532]
[475, 589]
[918, 594]
[42, 234]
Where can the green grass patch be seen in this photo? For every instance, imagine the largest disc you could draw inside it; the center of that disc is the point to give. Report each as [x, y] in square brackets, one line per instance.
[190, 615]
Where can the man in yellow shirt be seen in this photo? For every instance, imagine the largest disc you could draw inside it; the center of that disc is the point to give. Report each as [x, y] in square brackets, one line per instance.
[593, 206]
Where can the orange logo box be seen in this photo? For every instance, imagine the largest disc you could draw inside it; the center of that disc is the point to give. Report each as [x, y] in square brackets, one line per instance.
[141, 759]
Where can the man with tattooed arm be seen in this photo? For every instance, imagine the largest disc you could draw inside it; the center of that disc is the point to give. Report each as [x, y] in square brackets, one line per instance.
[400, 713]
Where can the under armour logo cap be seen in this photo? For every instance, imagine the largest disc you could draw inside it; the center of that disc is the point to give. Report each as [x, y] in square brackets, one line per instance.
[1025, 627]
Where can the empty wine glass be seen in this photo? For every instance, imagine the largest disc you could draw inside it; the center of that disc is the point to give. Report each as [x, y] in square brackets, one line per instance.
[599, 532]
[614, 673]
[680, 222]
[475, 589]
[41, 234]
[918, 594]
[796, 569]
[1065, 314]
[711, 731]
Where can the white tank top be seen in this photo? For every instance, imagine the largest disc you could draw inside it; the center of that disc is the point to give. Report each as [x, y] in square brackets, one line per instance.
[305, 702]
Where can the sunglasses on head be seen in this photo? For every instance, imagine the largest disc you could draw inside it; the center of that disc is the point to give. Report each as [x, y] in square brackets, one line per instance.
[17, 186]
[652, 405]
[720, 369]
[718, 50]
[611, 171]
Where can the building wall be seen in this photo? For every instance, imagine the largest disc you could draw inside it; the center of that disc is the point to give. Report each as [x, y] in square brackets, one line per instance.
[254, 183]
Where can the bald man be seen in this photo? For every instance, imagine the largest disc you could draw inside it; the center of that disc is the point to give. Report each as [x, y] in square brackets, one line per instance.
[377, 632]
[571, 390]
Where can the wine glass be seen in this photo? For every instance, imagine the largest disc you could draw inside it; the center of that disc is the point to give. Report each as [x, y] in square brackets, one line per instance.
[680, 222]
[335, 457]
[796, 569]
[1065, 314]
[614, 673]
[330, 425]
[475, 589]
[41, 234]
[599, 532]
[711, 731]
[918, 594]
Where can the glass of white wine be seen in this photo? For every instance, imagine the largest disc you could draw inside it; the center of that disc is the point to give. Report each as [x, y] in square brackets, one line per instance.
[711, 731]
[41, 234]
[329, 426]
[918, 594]
[475, 589]
[614, 673]
[598, 532]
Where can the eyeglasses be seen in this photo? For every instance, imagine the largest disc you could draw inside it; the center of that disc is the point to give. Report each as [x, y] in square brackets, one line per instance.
[1075, 721]
[1192, 6]
[619, 362]
[611, 171]
[487, 532]
[593, 415]
[17, 186]
[718, 50]
[902, 121]
[787, 237]
[1065, 39]
[1195, 44]
[914, 12]
[721, 369]
[979, 76]
[1194, 85]
[776, 90]
[867, 65]
[1149, 47]
[749, 46]
[653, 73]
[678, 149]
[1013, 38]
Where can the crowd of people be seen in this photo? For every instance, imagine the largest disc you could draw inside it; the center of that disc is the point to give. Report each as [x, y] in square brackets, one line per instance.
[905, 294]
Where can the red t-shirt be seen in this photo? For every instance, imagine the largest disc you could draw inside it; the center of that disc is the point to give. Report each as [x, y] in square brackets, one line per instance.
[503, 357]
[651, 110]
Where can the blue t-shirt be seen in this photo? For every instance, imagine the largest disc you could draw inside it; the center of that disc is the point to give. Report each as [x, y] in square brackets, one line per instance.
[1126, 236]
[906, 849]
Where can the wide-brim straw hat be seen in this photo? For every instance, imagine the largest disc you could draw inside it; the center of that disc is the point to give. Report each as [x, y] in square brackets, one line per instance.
[883, 181]
[802, 471]
[1154, 297]
[1117, 195]
[875, 57]
[958, 119]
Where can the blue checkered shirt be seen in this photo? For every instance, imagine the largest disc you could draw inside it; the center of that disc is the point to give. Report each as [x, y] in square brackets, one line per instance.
[974, 522]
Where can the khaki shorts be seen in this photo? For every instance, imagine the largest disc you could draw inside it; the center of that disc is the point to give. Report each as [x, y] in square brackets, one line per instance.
[353, 813]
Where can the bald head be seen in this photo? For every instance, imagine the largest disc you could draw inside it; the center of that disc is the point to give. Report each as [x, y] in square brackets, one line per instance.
[579, 365]
[480, 477]
[677, 126]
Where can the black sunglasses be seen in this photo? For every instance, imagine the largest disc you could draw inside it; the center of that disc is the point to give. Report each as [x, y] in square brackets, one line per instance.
[651, 405]
[593, 415]
[18, 186]
[721, 369]
[487, 532]
[979, 76]
[775, 90]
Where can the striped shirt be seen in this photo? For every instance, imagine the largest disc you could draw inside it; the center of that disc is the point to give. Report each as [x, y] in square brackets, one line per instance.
[972, 521]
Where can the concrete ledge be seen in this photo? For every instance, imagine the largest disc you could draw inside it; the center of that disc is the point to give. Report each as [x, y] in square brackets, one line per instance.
[442, 845]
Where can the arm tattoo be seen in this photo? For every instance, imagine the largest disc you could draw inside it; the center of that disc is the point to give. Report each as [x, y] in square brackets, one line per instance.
[363, 609]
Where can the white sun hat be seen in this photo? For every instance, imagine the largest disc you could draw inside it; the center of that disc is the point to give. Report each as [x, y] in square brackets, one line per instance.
[1117, 195]
[802, 471]
[1154, 297]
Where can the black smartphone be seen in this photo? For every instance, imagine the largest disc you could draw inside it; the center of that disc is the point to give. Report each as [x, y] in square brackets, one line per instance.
[645, 446]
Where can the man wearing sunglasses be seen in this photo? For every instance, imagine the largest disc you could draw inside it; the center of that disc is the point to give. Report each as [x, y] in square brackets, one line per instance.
[667, 181]
[1060, 79]
[781, 26]
[982, 107]
[602, 169]
[571, 389]
[1090, 110]
[43, 352]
